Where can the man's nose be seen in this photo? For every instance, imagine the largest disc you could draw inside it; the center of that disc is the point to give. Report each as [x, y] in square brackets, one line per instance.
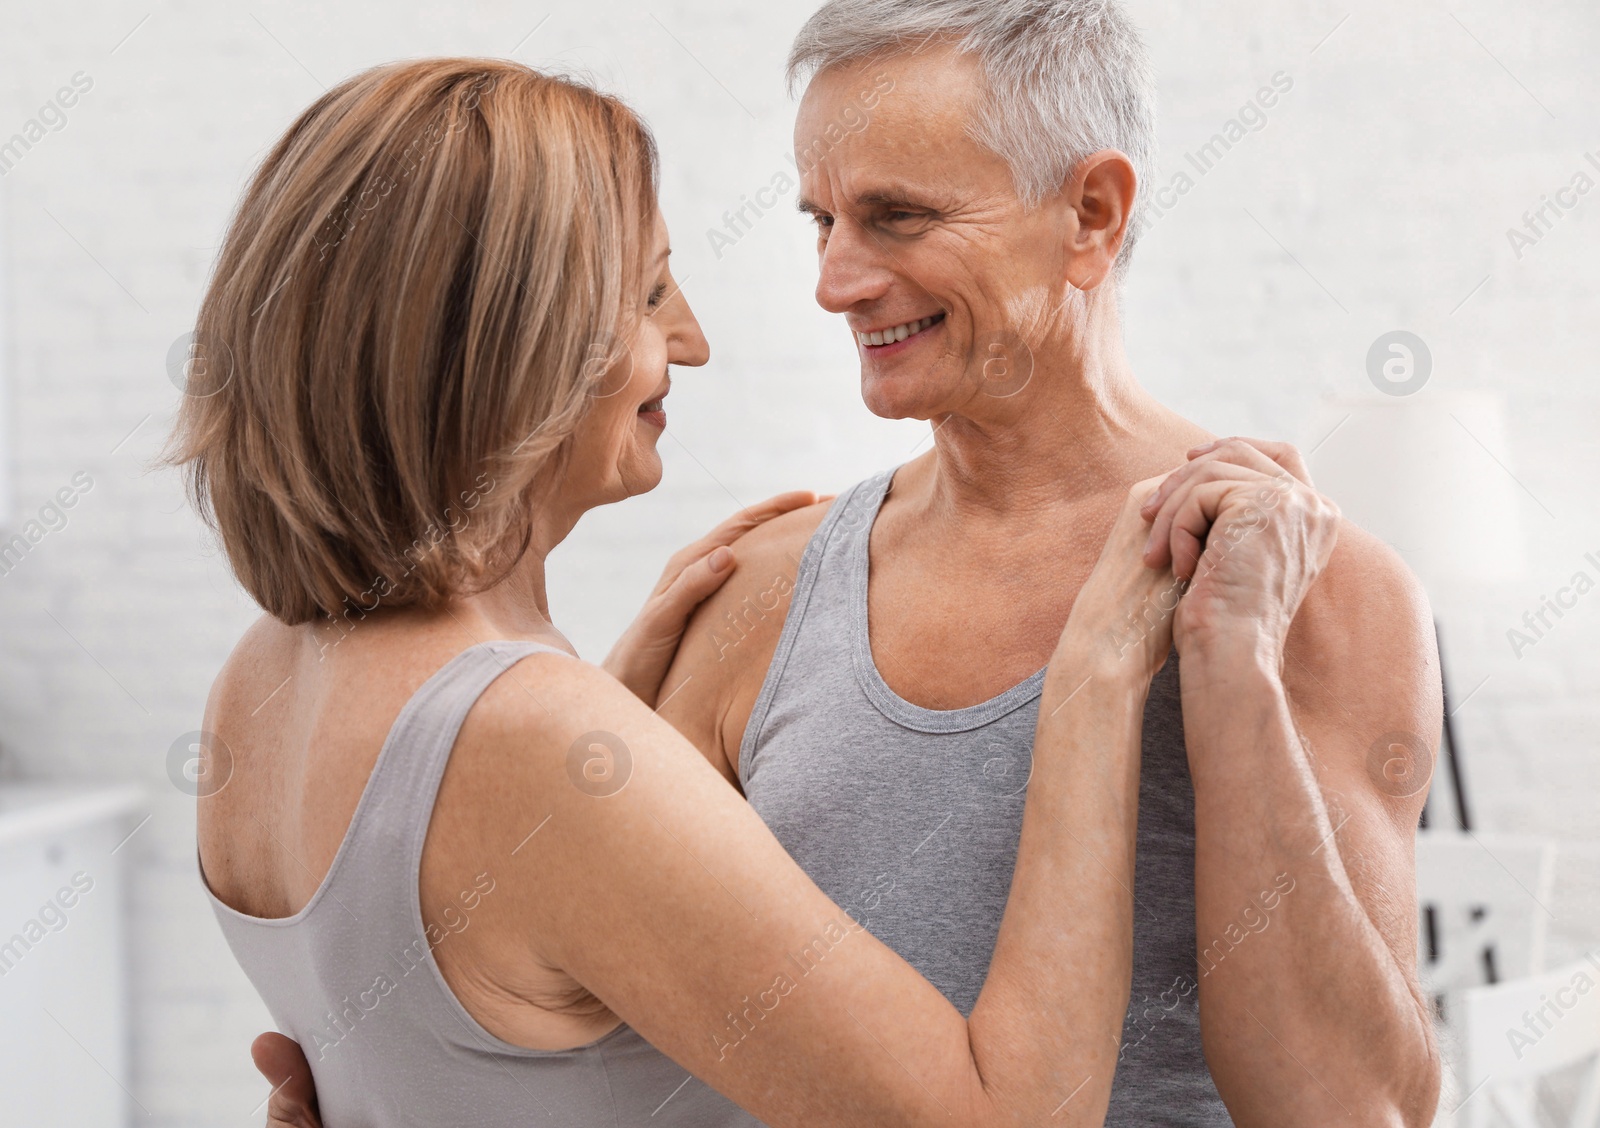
[854, 268]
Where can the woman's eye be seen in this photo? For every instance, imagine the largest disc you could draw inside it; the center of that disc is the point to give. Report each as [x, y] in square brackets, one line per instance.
[658, 295]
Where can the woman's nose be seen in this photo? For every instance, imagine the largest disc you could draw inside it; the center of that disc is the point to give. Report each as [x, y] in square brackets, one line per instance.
[686, 341]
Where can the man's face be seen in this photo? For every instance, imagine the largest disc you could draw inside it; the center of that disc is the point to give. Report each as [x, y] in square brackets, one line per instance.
[920, 226]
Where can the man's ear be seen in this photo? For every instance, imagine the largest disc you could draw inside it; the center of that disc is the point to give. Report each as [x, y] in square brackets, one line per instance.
[1101, 193]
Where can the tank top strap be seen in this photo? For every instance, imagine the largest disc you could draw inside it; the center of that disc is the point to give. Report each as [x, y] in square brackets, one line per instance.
[842, 533]
[381, 854]
[354, 979]
[849, 521]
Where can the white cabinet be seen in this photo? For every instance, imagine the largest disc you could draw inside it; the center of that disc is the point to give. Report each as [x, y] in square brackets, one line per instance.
[63, 981]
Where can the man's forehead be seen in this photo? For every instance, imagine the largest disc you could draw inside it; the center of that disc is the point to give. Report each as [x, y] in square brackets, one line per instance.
[933, 90]
[889, 153]
[894, 129]
[884, 168]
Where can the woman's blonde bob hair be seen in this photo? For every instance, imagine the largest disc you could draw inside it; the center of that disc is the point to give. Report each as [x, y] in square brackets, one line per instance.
[424, 279]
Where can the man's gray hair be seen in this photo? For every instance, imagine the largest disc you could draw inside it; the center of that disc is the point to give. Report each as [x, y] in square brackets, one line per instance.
[1066, 78]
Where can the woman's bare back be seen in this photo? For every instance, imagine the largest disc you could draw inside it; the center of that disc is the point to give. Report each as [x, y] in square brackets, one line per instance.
[303, 712]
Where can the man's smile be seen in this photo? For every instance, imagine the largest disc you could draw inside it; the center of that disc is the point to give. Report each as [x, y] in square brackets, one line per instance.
[895, 334]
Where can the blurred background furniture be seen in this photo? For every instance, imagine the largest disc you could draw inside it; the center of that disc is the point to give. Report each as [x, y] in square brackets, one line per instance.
[1523, 1031]
[63, 980]
[1483, 903]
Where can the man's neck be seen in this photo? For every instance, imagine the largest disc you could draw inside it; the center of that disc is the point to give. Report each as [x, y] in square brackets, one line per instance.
[1082, 428]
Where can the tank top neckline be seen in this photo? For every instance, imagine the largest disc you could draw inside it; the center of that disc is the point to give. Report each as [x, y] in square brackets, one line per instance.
[858, 514]
[386, 754]
[504, 651]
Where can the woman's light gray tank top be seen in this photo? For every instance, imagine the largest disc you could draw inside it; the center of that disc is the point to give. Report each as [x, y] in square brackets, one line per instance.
[352, 976]
[909, 818]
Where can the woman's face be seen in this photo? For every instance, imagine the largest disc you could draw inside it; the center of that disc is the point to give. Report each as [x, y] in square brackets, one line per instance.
[613, 453]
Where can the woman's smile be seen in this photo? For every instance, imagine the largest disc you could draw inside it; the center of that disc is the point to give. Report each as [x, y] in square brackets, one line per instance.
[654, 411]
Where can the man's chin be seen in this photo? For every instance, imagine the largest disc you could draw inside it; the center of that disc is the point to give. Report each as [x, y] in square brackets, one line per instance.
[906, 396]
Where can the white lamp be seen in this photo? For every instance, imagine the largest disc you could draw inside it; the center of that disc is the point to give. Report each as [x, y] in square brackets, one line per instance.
[1428, 473]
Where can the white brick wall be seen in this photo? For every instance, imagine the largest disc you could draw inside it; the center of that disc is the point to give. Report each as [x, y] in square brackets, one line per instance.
[1391, 171]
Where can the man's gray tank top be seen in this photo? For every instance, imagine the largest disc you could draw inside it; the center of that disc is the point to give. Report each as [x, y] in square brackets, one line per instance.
[909, 818]
[352, 976]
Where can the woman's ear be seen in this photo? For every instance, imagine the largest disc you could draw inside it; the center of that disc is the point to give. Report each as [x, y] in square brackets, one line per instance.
[1101, 194]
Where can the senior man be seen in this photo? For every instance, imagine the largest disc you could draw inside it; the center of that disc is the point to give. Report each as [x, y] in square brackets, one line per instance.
[870, 676]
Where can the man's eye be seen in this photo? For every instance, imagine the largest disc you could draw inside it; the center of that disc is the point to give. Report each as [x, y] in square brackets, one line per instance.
[823, 221]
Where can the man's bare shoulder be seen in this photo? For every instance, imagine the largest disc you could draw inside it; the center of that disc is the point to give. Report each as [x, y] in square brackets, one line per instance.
[1362, 657]
[752, 604]
[1367, 615]
[729, 642]
[784, 536]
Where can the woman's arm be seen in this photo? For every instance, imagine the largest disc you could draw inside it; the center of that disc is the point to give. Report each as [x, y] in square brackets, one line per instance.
[641, 657]
[672, 902]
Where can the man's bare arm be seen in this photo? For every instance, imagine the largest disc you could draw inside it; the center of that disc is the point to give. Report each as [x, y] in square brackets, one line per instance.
[723, 658]
[1306, 811]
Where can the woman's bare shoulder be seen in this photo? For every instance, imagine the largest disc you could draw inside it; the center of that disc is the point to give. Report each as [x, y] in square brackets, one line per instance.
[541, 703]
